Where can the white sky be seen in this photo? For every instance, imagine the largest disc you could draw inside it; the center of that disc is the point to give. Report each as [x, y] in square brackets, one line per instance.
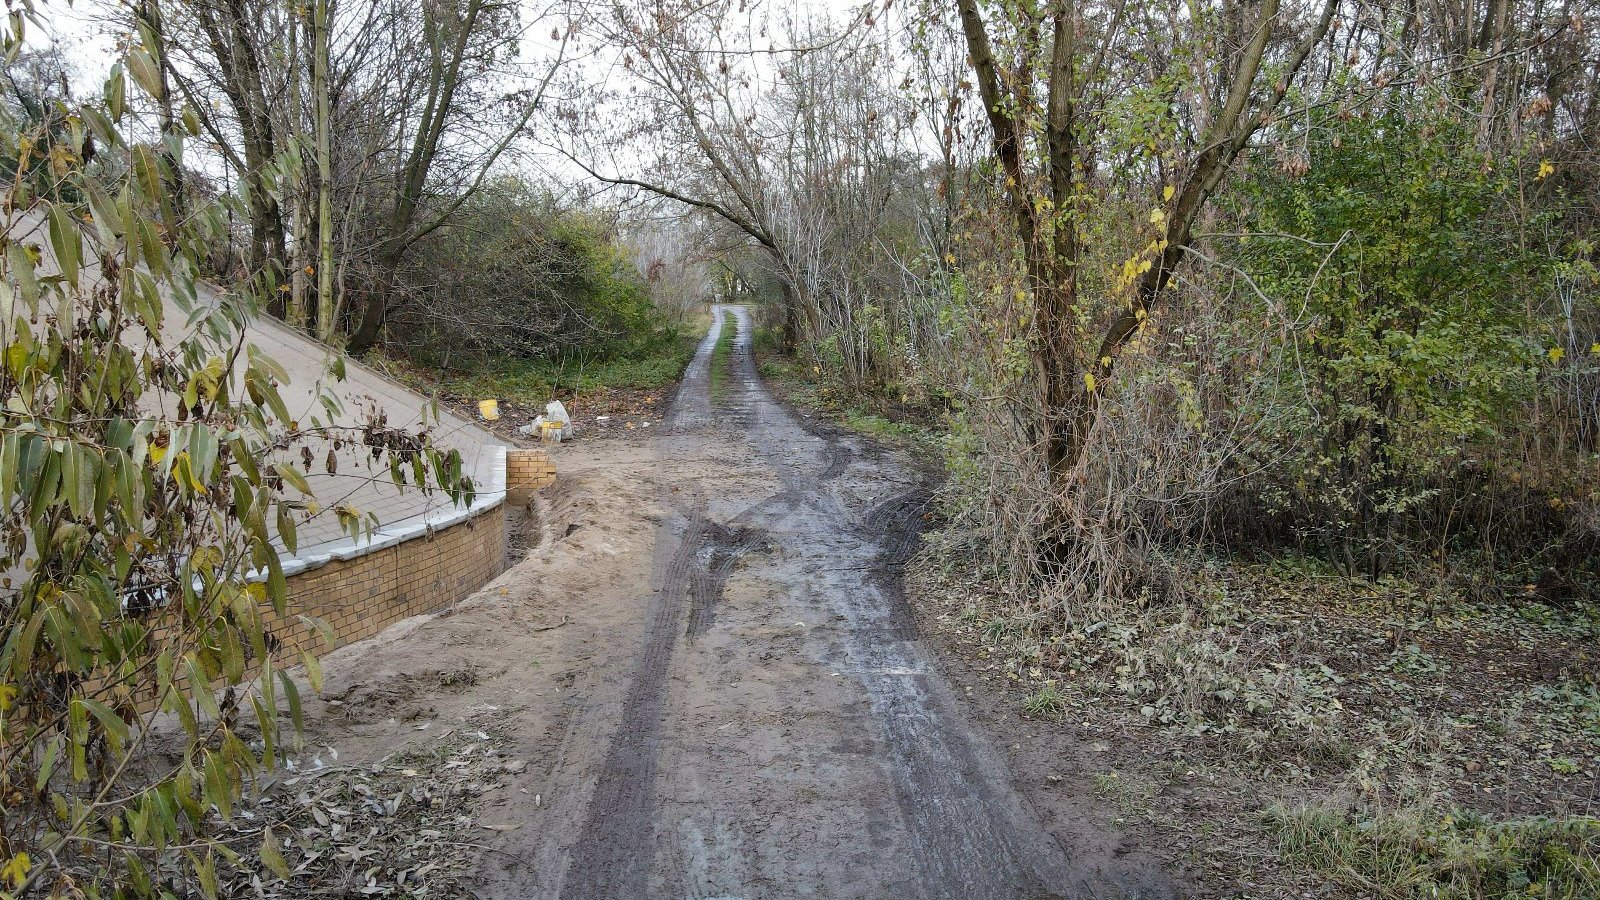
[79, 30]
[91, 50]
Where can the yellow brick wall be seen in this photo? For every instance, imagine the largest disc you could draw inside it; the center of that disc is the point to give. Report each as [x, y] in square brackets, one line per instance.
[357, 598]
[360, 597]
[527, 470]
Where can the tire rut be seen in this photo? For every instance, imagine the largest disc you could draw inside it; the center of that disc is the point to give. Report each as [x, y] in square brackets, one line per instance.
[721, 551]
[897, 525]
[605, 860]
[941, 804]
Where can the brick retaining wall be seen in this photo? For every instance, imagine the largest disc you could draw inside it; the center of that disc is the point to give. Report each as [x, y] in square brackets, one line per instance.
[360, 593]
[527, 470]
[360, 597]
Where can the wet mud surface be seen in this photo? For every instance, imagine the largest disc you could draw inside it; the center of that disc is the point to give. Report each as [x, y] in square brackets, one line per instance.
[773, 725]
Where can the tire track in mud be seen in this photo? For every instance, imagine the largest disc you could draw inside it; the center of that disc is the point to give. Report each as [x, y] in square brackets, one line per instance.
[970, 834]
[716, 559]
[610, 857]
[962, 827]
[606, 860]
[896, 525]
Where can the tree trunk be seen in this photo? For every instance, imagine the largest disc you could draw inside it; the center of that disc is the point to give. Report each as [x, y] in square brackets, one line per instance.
[299, 224]
[791, 319]
[1050, 262]
[1493, 42]
[319, 86]
[231, 44]
[376, 306]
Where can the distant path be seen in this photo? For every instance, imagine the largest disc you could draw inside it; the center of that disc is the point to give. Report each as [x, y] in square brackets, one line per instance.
[780, 730]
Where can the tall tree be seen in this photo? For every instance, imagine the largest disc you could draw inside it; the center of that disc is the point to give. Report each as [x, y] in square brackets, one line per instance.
[1045, 148]
[326, 320]
[407, 110]
[236, 33]
[460, 44]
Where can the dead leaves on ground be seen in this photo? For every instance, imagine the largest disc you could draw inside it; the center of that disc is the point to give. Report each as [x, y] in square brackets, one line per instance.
[407, 826]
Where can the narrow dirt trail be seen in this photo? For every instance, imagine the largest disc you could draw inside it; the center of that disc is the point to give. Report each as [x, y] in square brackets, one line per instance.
[777, 729]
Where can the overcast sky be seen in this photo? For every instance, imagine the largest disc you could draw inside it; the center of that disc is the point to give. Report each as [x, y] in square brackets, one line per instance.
[89, 46]
[92, 51]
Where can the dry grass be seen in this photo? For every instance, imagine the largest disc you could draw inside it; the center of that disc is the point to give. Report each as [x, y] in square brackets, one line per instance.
[1422, 852]
[1250, 687]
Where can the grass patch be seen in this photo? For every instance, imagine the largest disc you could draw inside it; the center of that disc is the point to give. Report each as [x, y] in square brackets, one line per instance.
[1417, 853]
[921, 442]
[1131, 796]
[1046, 703]
[537, 380]
[807, 387]
[878, 427]
[720, 357]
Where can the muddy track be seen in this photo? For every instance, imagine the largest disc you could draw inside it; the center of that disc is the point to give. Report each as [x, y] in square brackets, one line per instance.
[779, 730]
[719, 551]
[603, 860]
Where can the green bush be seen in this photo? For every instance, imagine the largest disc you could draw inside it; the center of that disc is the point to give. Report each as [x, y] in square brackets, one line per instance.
[515, 276]
[536, 381]
[1389, 262]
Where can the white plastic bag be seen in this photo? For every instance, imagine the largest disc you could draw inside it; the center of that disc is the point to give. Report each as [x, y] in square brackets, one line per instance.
[555, 412]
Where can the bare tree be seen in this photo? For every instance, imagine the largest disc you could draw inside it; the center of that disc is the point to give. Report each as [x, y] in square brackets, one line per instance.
[792, 135]
[461, 46]
[408, 109]
[1042, 116]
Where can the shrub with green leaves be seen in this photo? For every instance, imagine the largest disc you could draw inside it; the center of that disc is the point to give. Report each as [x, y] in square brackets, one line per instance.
[517, 276]
[145, 489]
[1387, 253]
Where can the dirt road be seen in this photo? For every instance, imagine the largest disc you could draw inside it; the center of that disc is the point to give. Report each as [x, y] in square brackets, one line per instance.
[781, 731]
[716, 683]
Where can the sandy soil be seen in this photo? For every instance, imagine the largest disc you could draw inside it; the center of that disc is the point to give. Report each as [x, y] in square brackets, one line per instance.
[708, 684]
